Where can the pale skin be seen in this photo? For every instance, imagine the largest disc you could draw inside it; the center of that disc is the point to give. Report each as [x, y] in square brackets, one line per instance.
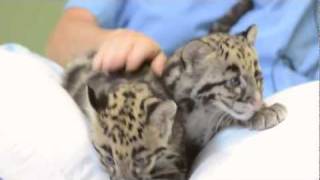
[78, 33]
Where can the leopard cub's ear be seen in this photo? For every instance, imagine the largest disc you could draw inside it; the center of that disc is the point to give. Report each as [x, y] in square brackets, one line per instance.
[162, 116]
[196, 50]
[250, 34]
[98, 100]
[97, 89]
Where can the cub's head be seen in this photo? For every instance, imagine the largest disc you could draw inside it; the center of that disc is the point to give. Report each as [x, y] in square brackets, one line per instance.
[219, 69]
[132, 130]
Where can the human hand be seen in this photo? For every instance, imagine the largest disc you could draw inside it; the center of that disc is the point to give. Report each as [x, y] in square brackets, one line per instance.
[128, 49]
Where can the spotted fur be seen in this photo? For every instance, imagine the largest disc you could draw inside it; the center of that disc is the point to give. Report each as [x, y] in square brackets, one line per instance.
[134, 127]
[217, 82]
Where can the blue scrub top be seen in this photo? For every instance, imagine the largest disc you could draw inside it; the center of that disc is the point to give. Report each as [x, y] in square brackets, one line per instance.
[287, 39]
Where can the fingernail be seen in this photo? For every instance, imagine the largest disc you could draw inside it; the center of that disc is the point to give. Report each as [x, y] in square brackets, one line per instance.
[95, 65]
[160, 70]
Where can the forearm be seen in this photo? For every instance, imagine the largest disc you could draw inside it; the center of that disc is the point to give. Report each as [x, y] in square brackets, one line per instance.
[74, 36]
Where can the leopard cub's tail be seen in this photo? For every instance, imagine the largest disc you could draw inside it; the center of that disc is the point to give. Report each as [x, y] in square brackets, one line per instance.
[225, 23]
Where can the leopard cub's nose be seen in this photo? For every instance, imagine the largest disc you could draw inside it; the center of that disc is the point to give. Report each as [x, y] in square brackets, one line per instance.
[256, 101]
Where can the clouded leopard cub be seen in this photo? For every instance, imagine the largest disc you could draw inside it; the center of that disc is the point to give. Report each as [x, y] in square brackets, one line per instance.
[217, 82]
[134, 127]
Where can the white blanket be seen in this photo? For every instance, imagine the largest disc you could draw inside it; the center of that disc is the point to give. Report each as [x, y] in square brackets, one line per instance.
[43, 135]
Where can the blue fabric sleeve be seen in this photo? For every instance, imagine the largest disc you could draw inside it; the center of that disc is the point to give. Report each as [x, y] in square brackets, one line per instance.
[299, 62]
[105, 11]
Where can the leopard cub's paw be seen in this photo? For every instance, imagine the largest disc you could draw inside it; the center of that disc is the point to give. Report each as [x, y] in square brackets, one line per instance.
[268, 117]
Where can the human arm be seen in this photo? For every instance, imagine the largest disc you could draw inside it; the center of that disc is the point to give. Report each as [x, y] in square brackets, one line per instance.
[75, 34]
[78, 33]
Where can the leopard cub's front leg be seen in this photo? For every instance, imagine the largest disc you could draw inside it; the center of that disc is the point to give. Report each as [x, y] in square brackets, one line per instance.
[268, 117]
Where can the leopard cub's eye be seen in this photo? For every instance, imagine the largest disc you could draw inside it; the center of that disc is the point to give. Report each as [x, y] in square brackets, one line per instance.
[108, 160]
[141, 162]
[234, 82]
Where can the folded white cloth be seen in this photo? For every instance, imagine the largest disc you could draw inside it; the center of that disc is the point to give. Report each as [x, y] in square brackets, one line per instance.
[43, 135]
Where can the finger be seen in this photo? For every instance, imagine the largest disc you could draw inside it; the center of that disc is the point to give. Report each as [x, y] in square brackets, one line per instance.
[112, 61]
[158, 64]
[139, 54]
[114, 55]
[97, 62]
